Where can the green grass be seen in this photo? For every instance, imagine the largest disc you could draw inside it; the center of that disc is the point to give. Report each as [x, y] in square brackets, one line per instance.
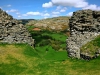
[45, 38]
[57, 36]
[30, 28]
[24, 60]
[91, 47]
[49, 53]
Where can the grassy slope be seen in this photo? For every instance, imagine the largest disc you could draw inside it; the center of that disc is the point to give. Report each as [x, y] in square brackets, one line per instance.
[23, 60]
[92, 46]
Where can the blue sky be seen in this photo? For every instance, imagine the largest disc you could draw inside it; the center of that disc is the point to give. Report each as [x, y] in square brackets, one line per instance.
[40, 9]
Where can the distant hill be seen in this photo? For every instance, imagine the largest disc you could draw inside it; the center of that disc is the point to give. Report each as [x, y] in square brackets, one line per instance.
[55, 24]
[24, 21]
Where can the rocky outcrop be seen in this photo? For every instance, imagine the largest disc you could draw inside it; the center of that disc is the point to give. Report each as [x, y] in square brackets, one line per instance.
[84, 27]
[11, 31]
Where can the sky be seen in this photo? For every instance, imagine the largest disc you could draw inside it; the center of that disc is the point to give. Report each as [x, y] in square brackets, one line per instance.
[42, 9]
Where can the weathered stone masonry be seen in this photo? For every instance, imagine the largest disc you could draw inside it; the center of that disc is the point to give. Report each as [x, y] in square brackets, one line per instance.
[11, 31]
[84, 27]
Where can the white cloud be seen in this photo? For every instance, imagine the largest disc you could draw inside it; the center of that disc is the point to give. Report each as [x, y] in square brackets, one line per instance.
[55, 13]
[9, 5]
[45, 17]
[58, 8]
[32, 13]
[24, 15]
[12, 10]
[72, 3]
[70, 14]
[17, 13]
[46, 14]
[47, 5]
[45, 11]
[92, 7]
[19, 16]
[63, 9]
[0, 7]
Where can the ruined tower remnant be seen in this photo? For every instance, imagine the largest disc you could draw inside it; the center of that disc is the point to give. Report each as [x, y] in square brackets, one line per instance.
[84, 27]
[11, 31]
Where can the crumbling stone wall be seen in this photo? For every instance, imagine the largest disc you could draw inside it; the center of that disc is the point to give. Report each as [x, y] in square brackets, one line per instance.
[11, 31]
[84, 27]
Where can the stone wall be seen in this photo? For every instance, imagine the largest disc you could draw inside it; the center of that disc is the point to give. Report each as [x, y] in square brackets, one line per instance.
[11, 31]
[84, 27]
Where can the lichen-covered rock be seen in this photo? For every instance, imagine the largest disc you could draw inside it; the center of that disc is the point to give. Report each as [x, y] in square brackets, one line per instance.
[84, 27]
[11, 31]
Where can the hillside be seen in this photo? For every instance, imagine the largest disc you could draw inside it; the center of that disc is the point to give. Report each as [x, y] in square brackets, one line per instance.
[52, 24]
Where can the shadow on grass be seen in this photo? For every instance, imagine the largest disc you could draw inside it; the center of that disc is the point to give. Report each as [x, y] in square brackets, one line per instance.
[11, 68]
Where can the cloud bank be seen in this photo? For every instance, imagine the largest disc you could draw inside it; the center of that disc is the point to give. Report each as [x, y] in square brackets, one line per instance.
[71, 3]
[93, 7]
[32, 14]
